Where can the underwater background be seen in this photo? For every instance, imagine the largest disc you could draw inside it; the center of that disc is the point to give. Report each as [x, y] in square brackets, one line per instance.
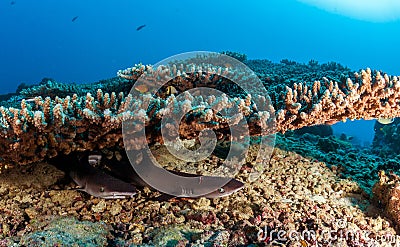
[85, 41]
[314, 181]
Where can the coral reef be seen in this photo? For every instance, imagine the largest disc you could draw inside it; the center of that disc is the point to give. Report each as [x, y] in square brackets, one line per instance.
[239, 56]
[44, 127]
[288, 72]
[329, 102]
[356, 163]
[41, 127]
[51, 88]
[295, 192]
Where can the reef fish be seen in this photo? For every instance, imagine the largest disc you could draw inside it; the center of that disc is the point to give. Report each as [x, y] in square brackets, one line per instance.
[140, 27]
[142, 88]
[385, 120]
[171, 90]
[74, 19]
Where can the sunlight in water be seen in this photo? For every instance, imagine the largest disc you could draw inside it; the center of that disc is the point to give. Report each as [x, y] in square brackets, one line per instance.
[368, 10]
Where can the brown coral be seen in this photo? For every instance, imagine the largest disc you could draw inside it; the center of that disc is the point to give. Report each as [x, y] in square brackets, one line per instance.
[42, 128]
[376, 96]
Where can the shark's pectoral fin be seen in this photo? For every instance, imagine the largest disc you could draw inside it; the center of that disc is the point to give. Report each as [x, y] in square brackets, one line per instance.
[119, 196]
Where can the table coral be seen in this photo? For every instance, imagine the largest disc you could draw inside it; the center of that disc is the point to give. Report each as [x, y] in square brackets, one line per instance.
[43, 127]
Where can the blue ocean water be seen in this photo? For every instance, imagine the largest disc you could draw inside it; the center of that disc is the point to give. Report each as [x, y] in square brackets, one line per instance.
[85, 41]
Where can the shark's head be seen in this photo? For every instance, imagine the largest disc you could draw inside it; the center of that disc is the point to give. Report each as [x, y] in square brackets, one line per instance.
[229, 188]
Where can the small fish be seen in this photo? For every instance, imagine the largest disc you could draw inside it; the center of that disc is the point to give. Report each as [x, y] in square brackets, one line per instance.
[140, 27]
[331, 122]
[12, 2]
[142, 88]
[74, 19]
[27, 100]
[228, 65]
[385, 120]
[171, 90]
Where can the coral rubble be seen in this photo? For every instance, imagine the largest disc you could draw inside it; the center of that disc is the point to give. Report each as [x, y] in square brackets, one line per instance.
[294, 194]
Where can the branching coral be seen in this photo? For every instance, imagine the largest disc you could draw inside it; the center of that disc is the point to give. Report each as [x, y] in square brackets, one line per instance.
[370, 96]
[43, 127]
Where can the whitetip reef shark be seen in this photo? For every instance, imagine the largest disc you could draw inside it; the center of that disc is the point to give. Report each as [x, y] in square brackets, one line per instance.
[98, 183]
[91, 180]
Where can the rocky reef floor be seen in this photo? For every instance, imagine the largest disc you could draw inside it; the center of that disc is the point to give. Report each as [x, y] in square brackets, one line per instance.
[297, 201]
